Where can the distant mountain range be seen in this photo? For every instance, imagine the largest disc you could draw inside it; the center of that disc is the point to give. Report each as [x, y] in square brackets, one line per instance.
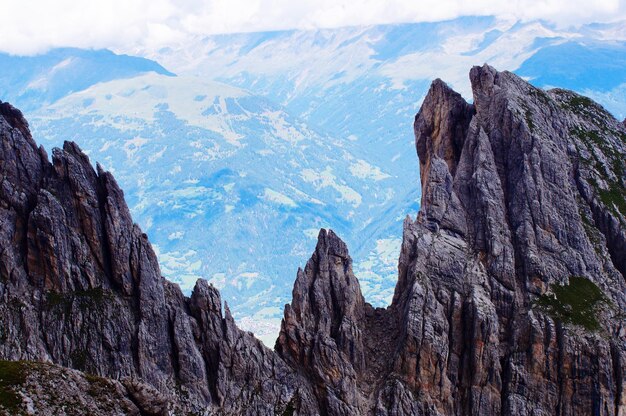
[33, 82]
[260, 139]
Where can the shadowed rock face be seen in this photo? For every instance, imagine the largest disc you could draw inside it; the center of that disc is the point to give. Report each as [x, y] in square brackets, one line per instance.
[521, 211]
[522, 190]
[514, 201]
[444, 119]
[80, 286]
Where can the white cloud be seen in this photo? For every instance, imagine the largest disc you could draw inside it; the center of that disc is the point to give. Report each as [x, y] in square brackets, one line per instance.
[31, 26]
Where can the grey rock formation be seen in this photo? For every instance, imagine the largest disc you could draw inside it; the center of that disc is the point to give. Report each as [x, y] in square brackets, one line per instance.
[523, 196]
[80, 286]
[48, 389]
[511, 293]
[519, 211]
[321, 333]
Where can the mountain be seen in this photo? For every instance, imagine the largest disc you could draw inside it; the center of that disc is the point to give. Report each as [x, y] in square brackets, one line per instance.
[81, 287]
[510, 298]
[329, 111]
[361, 84]
[365, 82]
[213, 171]
[36, 81]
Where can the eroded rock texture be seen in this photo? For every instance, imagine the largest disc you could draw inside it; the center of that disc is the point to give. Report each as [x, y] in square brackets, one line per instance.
[524, 197]
[522, 190]
[80, 286]
[521, 208]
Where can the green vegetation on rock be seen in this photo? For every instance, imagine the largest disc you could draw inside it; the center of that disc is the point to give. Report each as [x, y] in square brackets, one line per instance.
[83, 298]
[12, 375]
[576, 303]
[577, 102]
[580, 105]
[614, 198]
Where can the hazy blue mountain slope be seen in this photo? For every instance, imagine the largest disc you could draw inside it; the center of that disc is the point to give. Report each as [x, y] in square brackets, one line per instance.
[229, 186]
[594, 68]
[364, 81]
[598, 66]
[33, 81]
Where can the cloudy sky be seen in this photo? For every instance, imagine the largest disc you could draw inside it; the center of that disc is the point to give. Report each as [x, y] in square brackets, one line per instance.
[31, 26]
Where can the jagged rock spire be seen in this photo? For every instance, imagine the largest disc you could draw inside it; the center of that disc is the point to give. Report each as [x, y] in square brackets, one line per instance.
[80, 286]
[444, 119]
[320, 332]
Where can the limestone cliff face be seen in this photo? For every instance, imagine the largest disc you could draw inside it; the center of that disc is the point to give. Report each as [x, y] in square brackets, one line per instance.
[523, 198]
[80, 286]
[511, 293]
[522, 208]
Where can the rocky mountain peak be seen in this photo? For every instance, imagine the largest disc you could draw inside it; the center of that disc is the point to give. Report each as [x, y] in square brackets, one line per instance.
[206, 297]
[321, 330]
[519, 213]
[327, 287]
[80, 287]
[484, 79]
[15, 118]
[444, 117]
